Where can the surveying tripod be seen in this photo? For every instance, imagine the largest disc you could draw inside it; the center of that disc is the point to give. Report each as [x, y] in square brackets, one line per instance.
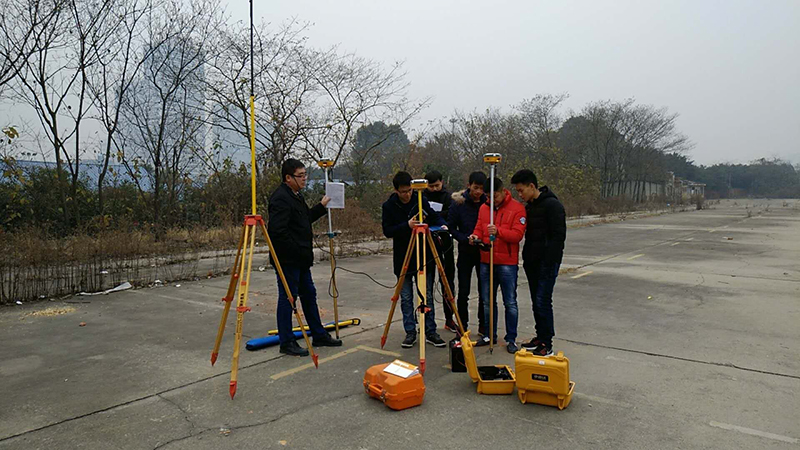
[420, 244]
[327, 164]
[244, 252]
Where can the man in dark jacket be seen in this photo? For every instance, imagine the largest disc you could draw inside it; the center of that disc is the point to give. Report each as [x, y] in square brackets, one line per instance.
[399, 217]
[289, 228]
[440, 201]
[461, 220]
[542, 254]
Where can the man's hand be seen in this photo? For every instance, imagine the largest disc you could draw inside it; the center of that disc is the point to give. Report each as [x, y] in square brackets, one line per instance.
[412, 223]
[325, 200]
[473, 240]
[444, 227]
[492, 230]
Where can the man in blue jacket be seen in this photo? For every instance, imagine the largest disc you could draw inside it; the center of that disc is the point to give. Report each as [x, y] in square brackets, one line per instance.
[462, 218]
[399, 217]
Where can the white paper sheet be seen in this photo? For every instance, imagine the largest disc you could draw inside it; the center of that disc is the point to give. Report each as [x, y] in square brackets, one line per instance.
[401, 368]
[436, 206]
[336, 192]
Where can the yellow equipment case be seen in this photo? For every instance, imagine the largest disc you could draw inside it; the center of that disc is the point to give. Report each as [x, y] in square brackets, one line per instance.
[490, 379]
[543, 379]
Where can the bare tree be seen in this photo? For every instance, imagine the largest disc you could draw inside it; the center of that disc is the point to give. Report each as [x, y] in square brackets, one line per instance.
[353, 91]
[21, 29]
[165, 107]
[117, 66]
[283, 70]
[540, 119]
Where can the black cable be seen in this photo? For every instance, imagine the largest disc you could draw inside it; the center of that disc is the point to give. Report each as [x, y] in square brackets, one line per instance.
[337, 267]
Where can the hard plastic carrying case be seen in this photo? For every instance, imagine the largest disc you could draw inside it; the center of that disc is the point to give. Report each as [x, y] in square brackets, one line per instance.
[543, 379]
[457, 363]
[490, 379]
[394, 391]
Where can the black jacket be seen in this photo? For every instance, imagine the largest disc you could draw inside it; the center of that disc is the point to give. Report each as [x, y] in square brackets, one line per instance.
[395, 217]
[546, 229]
[442, 197]
[289, 227]
[462, 219]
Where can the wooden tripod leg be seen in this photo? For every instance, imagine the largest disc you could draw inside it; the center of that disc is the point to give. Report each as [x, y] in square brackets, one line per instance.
[228, 299]
[281, 275]
[397, 289]
[241, 305]
[447, 291]
[335, 290]
[422, 295]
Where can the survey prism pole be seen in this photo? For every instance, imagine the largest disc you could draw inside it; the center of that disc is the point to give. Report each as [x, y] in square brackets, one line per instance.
[327, 164]
[492, 159]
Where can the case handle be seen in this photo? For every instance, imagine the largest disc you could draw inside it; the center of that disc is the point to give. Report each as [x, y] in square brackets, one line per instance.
[378, 390]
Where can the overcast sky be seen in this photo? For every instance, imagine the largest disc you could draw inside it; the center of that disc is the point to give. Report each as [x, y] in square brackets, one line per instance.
[731, 69]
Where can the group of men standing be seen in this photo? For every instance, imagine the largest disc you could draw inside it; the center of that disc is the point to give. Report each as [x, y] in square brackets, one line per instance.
[463, 216]
[466, 216]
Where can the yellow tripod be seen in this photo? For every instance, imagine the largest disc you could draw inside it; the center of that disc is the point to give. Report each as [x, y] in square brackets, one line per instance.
[420, 244]
[244, 252]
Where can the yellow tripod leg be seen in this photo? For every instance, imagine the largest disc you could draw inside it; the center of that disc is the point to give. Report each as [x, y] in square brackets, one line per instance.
[335, 290]
[422, 295]
[241, 306]
[447, 291]
[228, 299]
[281, 275]
[398, 289]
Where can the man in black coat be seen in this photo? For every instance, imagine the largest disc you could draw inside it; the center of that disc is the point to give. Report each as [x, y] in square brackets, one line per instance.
[399, 217]
[289, 228]
[440, 200]
[544, 248]
[461, 220]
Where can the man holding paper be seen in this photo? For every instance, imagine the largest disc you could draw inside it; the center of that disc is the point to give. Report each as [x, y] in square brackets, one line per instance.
[289, 227]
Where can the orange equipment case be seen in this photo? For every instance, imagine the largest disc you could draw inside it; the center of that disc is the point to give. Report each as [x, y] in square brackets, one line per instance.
[543, 379]
[394, 391]
[490, 379]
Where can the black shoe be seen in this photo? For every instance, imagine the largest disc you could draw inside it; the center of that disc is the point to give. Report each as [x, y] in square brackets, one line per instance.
[512, 347]
[293, 349]
[532, 344]
[451, 326]
[543, 350]
[482, 341]
[436, 340]
[327, 341]
[408, 342]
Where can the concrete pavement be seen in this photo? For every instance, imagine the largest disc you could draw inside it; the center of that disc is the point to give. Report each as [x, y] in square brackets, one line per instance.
[682, 331]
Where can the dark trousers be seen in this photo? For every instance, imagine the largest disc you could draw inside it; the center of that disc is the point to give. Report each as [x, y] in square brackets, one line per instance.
[541, 280]
[448, 261]
[302, 286]
[467, 264]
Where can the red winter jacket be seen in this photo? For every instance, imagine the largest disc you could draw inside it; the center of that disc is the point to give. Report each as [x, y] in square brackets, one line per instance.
[510, 221]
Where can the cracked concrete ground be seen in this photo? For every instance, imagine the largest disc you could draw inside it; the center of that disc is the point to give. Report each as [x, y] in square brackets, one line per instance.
[682, 331]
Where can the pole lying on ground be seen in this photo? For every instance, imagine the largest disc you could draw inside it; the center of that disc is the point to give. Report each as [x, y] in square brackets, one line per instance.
[327, 164]
[492, 159]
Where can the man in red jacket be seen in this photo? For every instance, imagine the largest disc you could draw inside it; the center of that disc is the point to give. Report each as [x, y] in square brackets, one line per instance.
[508, 230]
